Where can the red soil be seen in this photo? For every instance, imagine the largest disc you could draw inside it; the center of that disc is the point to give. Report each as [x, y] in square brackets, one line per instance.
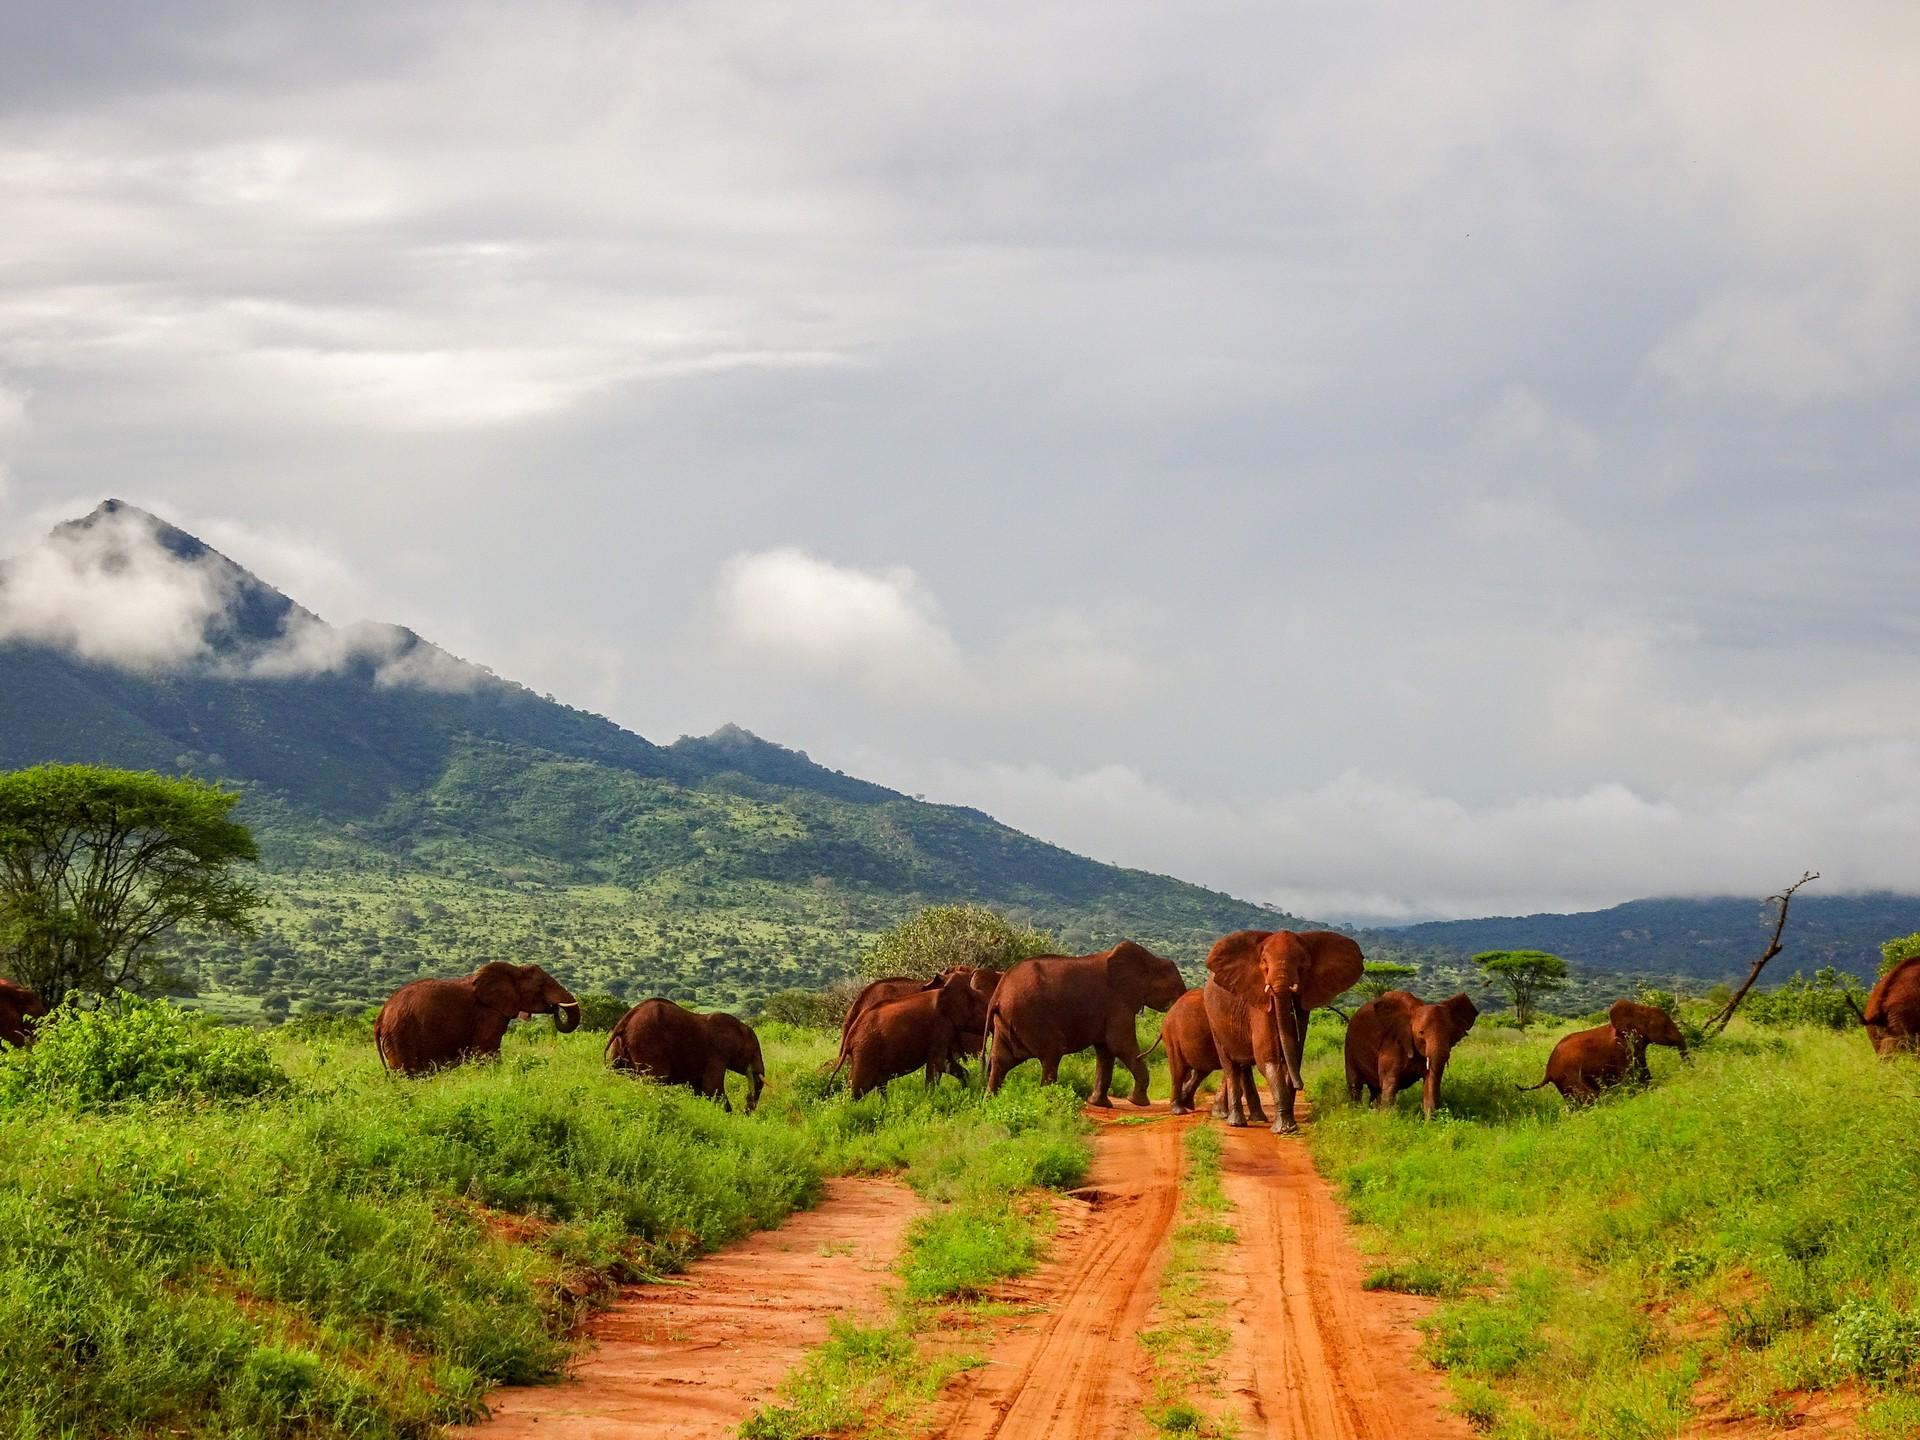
[694, 1356]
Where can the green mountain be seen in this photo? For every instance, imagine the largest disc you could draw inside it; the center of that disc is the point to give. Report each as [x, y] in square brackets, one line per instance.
[418, 813]
[1697, 940]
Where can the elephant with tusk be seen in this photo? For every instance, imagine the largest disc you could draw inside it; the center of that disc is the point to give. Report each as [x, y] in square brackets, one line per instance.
[429, 1023]
[1262, 986]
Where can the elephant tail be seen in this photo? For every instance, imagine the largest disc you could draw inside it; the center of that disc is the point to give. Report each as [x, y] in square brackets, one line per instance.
[1523, 1089]
[1156, 1042]
[616, 1051]
[380, 1039]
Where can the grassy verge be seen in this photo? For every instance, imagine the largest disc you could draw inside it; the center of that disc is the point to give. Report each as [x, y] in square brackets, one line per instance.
[1743, 1230]
[978, 1162]
[1186, 1347]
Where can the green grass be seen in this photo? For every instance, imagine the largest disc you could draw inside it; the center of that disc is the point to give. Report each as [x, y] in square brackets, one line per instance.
[1187, 1346]
[1743, 1229]
[976, 1160]
[354, 1254]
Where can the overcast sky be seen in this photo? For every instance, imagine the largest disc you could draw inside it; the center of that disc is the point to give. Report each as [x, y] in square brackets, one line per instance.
[1364, 457]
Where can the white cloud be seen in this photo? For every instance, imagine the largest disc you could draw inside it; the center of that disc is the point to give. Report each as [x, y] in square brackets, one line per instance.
[1363, 845]
[111, 593]
[883, 630]
[1795, 346]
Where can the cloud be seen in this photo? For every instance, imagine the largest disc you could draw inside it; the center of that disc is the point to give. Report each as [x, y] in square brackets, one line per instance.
[1363, 846]
[883, 630]
[1795, 346]
[110, 592]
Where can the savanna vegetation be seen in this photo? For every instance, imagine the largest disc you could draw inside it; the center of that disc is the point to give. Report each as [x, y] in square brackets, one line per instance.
[1738, 1233]
[219, 1232]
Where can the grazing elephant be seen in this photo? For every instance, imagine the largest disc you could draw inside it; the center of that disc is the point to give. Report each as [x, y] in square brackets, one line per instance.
[1585, 1063]
[665, 1042]
[18, 1005]
[429, 1023]
[1054, 1005]
[1191, 1055]
[1397, 1038]
[1892, 1016]
[1641, 1026]
[924, 1029]
[1263, 986]
[981, 980]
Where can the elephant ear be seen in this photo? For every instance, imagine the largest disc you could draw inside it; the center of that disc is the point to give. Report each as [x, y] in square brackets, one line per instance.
[497, 986]
[939, 982]
[1625, 1016]
[1462, 1011]
[1335, 967]
[1234, 963]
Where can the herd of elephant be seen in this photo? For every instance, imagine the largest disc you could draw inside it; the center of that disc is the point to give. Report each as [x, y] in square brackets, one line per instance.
[1251, 1015]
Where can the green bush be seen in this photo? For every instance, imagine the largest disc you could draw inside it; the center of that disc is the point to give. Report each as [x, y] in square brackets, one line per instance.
[944, 935]
[134, 1049]
[1799, 1001]
[600, 1011]
[1874, 1341]
[810, 1009]
[1897, 950]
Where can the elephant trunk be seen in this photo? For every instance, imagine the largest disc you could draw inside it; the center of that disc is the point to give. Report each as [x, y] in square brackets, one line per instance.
[1430, 1090]
[756, 1082]
[1681, 1041]
[566, 1016]
[1286, 1021]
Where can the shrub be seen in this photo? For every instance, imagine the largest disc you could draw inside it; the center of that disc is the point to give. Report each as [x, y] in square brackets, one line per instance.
[1874, 1341]
[601, 1011]
[1799, 1001]
[134, 1049]
[944, 935]
[810, 1009]
[1893, 952]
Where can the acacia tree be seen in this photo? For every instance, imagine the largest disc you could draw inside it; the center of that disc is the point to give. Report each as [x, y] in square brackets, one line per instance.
[1380, 976]
[1525, 975]
[944, 935]
[98, 867]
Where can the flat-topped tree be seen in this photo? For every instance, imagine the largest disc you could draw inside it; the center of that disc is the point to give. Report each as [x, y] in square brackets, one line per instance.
[98, 867]
[1525, 975]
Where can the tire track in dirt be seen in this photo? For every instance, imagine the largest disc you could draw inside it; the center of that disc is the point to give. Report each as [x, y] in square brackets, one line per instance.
[1314, 1355]
[690, 1358]
[1075, 1368]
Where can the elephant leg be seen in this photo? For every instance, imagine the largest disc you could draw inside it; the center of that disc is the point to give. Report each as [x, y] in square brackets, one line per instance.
[1049, 1069]
[1256, 1112]
[1102, 1076]
[1234, 1086]
[1356, 1082]
[1137, 1068]
[1180, 1103]
[1219, 1108]
[713, 1084]
[1389, 1072]
[1283, 1121]
[998, 1067]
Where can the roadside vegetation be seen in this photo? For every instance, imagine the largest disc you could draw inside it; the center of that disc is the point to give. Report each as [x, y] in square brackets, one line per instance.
[235, 1234]
[1189, 1341]
[1740, 1233]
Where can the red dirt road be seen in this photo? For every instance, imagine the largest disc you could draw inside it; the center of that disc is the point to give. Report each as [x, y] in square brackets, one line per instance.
[1076, 1369]
[1313, 1357]
[694, 1357]
[1314, 1354]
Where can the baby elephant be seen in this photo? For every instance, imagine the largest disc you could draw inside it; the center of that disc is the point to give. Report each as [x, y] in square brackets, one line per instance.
[926, 1029]
[1585, 1063]
[18, 1007]
[1397, 1038]
[1641, 1026]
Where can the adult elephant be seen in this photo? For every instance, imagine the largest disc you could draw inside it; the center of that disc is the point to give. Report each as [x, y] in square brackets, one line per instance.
[1892, 1016]
[18, 1005]
[925, 1029]
[1054, 1005]
[1398, 1038]
[1640, 1026]
[1261, 987]
[429, 1023]
[1585, 1063]
[981, 982]
[669, 1043]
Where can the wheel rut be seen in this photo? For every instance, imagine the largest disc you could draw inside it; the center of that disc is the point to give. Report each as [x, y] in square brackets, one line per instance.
[690, 1358]
[1073, 1366]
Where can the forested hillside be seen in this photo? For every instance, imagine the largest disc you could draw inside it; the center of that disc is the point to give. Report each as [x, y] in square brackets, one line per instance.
[1699, 940]
[418, 813]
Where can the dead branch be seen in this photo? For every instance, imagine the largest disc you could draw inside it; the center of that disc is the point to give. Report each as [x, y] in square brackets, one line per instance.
[1783, 899]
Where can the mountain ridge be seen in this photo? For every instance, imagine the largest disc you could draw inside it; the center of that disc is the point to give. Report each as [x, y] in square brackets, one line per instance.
[420, 814]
